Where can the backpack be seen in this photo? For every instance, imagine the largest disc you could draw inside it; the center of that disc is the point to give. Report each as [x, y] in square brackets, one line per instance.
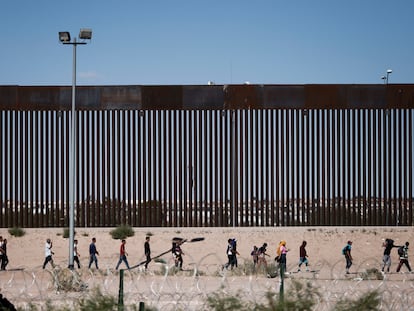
[234, 244]
[401, 251]
[344, 250]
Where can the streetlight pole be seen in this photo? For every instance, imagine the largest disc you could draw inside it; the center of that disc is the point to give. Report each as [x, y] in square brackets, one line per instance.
[64, 37]
[386, 77]
[389, 71]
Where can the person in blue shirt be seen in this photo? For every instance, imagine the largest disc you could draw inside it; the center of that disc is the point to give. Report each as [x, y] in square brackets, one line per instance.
[93, 252]
[346, 251]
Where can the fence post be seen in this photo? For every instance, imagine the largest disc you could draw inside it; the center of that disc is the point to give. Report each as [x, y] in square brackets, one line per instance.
[282, 285]
[121, 291]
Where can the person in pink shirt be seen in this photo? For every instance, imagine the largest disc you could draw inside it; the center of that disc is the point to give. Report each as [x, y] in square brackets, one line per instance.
[281, 252]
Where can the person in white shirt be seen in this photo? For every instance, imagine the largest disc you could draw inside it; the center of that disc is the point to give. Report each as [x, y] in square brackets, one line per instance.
[48, 254]
[76, 254]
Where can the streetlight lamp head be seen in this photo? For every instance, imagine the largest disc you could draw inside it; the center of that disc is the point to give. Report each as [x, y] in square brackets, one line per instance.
[64, 36]
[389, 71]
[85, 33]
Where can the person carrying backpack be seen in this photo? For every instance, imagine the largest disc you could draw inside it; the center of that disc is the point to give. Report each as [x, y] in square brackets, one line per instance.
[346, 251]
[403, 253]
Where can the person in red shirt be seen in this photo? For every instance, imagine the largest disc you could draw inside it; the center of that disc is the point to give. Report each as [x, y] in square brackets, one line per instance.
[303, 256]
[122, 255]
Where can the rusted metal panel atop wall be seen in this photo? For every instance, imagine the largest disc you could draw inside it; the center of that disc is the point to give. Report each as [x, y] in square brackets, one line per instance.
[113, 97]
[168, 97]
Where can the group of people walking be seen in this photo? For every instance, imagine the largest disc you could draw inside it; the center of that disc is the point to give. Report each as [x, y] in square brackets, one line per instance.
[388, 245]
[94, 253]
[259, 255]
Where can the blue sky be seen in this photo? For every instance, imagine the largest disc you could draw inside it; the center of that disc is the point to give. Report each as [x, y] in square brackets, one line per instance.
[163, 42]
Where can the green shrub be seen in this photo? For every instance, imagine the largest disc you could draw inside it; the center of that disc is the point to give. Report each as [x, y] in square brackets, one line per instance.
[68, 280]
[16, 231]
[299, 297]
[122, 232]
[98, 302]
[372, 274]
[65, 233]
[368, 301]
[222, 302]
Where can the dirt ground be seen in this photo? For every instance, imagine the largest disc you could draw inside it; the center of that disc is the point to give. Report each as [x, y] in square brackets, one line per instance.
[25, 281]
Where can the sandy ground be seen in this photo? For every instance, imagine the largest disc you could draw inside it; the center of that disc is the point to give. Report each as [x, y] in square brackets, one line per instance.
[323, 243]
[26, 255]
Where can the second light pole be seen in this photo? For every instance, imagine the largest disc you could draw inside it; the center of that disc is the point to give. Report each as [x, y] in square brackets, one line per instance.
[385, 78]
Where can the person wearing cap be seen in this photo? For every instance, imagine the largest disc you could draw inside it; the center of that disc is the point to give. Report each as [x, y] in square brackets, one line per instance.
[346, 251]
[48, 253]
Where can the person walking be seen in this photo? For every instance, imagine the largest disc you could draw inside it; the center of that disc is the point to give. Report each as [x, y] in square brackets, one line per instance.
[303, 256]
[346, 251]
[255, 256]
[404, 257]
[76, 253]
[5, 259]
[147, 251]
[235, 252]
[231, 255]
[1, 252]
[48, 253]
[261, 258]
[388, 245]
[281, 253]
[93, 253]
[122, 255]
[178, 254]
